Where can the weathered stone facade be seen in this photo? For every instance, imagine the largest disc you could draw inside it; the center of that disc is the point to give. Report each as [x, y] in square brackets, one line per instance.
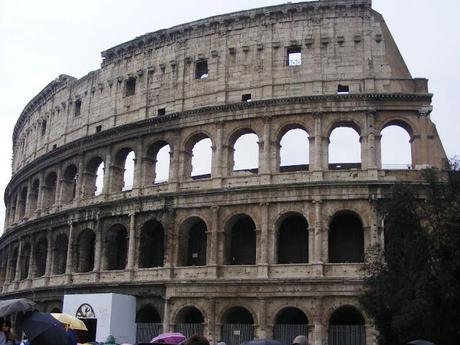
[213, 250]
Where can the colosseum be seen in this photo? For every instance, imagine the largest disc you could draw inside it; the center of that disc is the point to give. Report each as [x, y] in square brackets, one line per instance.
[212, 247]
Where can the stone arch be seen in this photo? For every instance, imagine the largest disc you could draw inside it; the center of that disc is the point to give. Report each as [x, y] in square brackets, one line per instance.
[289, 322]
[22, 202]
[116, 247]
[292, 239]
[346, 238]
[240, 240]
[85, 250]
[396, 145]
[157, 162]
[69, 183]
[40, 255]
[33, 195]
[293, 149]
[189, 320]
[60, 254]
[148, 314]
[193, 242]
[152, 244]
[198, 154]
[94, 177]
[13, 263]
[344, 150]
[148, 322]
[243, 145]
[49, 189]
[347, 326]
[25, 261]
[240, 319]
[123, 170]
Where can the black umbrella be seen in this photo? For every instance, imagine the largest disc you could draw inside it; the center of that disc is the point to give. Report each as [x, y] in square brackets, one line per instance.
[44, 329]
[11, 306]
[262, 342]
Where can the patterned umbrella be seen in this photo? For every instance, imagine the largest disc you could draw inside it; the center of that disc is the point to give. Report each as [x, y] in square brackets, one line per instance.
[169, 338]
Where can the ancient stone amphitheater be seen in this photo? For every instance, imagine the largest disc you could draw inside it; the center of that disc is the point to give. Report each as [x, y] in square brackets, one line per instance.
[269, 251]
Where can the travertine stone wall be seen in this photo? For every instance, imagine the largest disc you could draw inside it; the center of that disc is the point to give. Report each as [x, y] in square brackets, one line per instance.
[62, 237]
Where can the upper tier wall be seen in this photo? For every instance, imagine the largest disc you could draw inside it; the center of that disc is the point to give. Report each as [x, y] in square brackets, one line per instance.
[246, 52]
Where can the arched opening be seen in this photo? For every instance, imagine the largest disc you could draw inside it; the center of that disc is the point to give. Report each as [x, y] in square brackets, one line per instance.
[85, 251]
[293, 240]
[13, 263]
[49, 190]
[193, 242]
[294, 151]
[189, 321]
[344, 149]
[116, 248]
[246, 153]
[60, 254]
[12, 214]
[41, 252]
[198, 157]
[346, 239]
[123, 170]
[237, 326]
[33, 195]
[289, 323]
[148, 322]
[22, 203]
[242, 235]
[395, 148]
[347, 327]
[151, 245]
[94, 177]
[69, 184]
[25, 261]
[162, 162]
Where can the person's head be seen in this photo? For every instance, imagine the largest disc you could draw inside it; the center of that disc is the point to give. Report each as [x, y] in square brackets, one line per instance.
[300, 340]
[197, 340]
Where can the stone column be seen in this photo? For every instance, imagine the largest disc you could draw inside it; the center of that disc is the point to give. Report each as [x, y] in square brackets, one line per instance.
[138, 171]
[49, 256]
[57, 191]
[174, 164]
[70, 254]
[31, 272]
[166, 316]
[317, 254]
[263, 241]
[265, 166]
[80, 181]
[27, 210]
[212, 321]
[217, 158]
[107, 174]
[262, 331]
[378, 151]
[98, 249]
[17, 276]
[131, 244]
[371, 147]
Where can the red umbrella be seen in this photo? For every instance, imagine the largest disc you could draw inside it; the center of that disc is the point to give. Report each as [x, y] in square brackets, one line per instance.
[169, 338]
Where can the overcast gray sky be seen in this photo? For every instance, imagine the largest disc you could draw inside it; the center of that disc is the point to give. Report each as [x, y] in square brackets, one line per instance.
[40, 40]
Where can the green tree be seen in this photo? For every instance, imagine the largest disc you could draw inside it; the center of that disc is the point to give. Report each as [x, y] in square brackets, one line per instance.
[412, 286]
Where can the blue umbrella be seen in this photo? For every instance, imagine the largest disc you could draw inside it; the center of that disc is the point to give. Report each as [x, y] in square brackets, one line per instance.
[42, 328]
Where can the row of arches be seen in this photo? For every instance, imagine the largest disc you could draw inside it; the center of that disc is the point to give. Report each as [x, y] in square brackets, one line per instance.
[87, 250]
[102, 174]
[343, 323]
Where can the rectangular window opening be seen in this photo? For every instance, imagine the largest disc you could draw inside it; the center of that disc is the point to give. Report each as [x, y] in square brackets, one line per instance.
[294, 56]
[77, 110]
[161, 111]
[54, 146]
[43, 128]
[343, 89]
[201, 69]
[98, 128]
[246, 97]
[130, 87]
